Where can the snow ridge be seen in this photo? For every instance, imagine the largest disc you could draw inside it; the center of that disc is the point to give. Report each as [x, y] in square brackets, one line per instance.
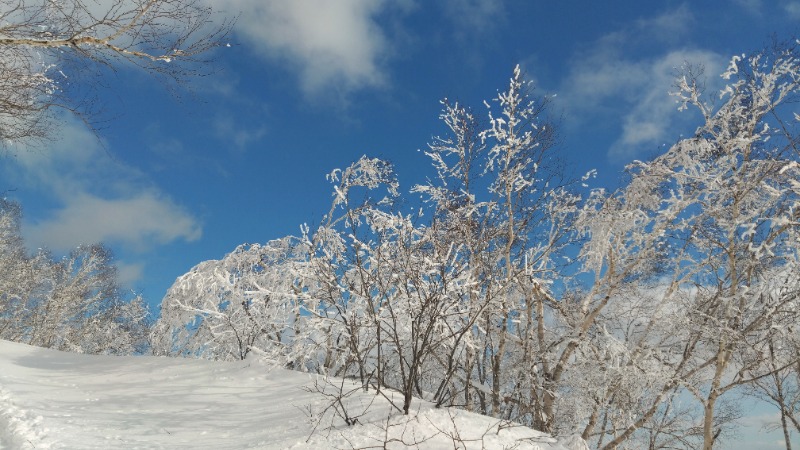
[18, 429]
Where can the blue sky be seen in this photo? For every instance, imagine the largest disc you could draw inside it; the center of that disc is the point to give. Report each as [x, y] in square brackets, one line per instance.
[308, 86]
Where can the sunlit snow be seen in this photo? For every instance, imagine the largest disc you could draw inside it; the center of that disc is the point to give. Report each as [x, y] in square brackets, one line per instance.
[51, 400]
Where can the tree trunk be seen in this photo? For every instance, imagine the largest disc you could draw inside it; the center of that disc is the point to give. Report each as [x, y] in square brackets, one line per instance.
[709, 435]
[784, 425]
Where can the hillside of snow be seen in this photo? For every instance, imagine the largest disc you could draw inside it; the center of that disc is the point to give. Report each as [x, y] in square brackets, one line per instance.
[52, 400]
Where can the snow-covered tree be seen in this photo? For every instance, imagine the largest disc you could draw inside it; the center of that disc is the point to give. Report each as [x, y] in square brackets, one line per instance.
[72, 303]
[621, 316]
[499, 193]
[716, 216]
[225, 309]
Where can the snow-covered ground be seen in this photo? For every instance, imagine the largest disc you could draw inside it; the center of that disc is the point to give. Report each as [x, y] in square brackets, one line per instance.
[50, 399]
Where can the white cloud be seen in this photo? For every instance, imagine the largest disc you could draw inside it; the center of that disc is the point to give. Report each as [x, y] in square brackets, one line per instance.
[129, 273]
[332, 44]
[139, 221]
[98, 199]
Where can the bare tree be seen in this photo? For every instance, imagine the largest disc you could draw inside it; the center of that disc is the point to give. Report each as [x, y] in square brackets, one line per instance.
[46, 45]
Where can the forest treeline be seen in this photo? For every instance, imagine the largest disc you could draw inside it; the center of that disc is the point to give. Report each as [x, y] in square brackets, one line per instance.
[73, 303]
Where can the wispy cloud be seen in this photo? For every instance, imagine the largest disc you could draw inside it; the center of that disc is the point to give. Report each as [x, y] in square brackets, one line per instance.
[751, 6]
[608, 80]
[227, 130]
[331, 45]
[668, 26]
[653, 116]
[473, 17]
[793, 9]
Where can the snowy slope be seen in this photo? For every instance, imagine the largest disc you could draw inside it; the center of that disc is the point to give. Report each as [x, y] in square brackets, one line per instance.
[50, 399]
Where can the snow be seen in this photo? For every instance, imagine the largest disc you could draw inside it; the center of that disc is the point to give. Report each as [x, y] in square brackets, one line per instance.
[51, 400]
